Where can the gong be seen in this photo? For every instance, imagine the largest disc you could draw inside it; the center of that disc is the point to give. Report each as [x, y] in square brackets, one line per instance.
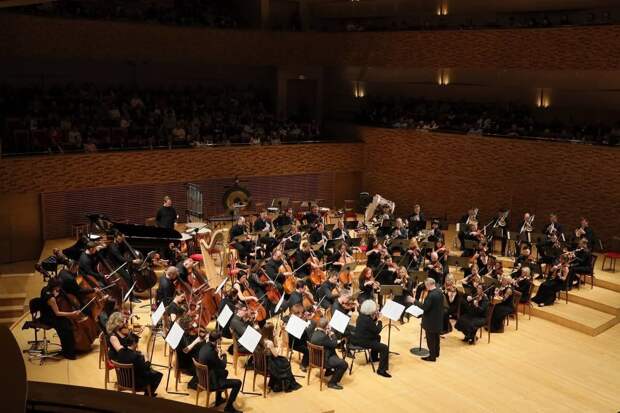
[236, 195]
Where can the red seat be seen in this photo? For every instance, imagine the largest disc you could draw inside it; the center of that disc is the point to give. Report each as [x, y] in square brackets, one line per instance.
[613, 256]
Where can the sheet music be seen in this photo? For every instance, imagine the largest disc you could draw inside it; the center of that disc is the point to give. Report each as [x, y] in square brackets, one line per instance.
[175, 335]
[296, 326]
[415, 311]
[250, 339]
[392, 310]
[339, 321]
[156, 316]
[224, 316]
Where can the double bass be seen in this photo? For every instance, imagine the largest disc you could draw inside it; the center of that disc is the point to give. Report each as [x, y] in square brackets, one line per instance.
[85, 329]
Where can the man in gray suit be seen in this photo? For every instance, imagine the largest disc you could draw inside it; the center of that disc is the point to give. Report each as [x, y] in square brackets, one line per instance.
[432, 319]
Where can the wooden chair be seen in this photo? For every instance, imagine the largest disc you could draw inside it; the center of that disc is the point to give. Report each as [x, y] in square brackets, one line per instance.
[316, 359]
[582, 277]
[126, 378]
[103, 357]
[528, 304]
[261, 367]
[202, 372]
[516, 298]
[488, 322]
[237, 353]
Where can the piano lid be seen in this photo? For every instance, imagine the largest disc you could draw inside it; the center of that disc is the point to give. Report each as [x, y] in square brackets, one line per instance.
[133, 231]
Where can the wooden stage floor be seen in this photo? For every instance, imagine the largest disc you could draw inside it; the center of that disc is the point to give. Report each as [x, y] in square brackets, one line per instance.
[542, 367]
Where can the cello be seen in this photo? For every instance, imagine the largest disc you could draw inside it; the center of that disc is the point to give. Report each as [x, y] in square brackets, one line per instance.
[317, 276]
[85, 329]
[255, 306]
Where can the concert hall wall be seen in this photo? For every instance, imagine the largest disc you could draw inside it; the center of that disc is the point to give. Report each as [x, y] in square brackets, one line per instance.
[550, 48]
[130, 185]
[448, 174]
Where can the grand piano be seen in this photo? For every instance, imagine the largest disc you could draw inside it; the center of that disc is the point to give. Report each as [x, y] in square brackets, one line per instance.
[141, 237]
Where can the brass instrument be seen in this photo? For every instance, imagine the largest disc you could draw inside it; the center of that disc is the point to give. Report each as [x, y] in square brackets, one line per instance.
[527, 224]
[472, 219]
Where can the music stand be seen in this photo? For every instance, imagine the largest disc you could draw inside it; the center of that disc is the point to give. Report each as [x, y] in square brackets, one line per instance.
[419, 276]
[329, 227]
[427, 245]
[334, 244]
[355, 242]
[402, 244]
[393, 290]
[280, 203]
[351, 224]
[461, 262]
[420, 351]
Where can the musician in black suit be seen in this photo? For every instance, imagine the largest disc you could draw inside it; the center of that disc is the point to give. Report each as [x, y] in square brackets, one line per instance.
[144, 375]
[313, 218]
[324, 338]
[554, 227]
[325, 293]
[367, 334]
[417, 221]
[340, 232]
[436, 233]
[166, 214]
[584, 231]
[432, 319]
[284, 219]
[243, 245]
[317, 238]
[210, 356]
[499, 228]
[118, 254]
[88, 262]
[166, 289]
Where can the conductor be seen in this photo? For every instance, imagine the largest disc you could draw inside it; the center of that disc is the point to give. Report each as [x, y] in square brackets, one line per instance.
[432, 319]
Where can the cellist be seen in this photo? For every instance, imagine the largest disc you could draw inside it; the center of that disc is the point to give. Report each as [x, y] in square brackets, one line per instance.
[59, 320]
[339, 260]
[88, 262]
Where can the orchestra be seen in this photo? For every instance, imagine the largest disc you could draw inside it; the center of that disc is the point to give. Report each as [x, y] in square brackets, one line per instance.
[299, 267]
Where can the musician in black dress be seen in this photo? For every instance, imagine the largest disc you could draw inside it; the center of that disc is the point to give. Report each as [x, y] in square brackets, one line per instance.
[452, 303]
[88, 263]
[432, 318]
[367, 334]
[503, 307]
[301, 344]
[556, 281]
[210, 356]
[189, 346]
[166, 289]
[435, 269]
[301, 260]
[324, 338]
[581, 263]
[367, 285]
[474, 314]
[59, 320]
[375, 253]
[166, 214]
[118, 334]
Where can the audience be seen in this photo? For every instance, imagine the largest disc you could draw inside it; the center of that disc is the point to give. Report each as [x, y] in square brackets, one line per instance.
[210, 13]
[75, 118]
[481, 118]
